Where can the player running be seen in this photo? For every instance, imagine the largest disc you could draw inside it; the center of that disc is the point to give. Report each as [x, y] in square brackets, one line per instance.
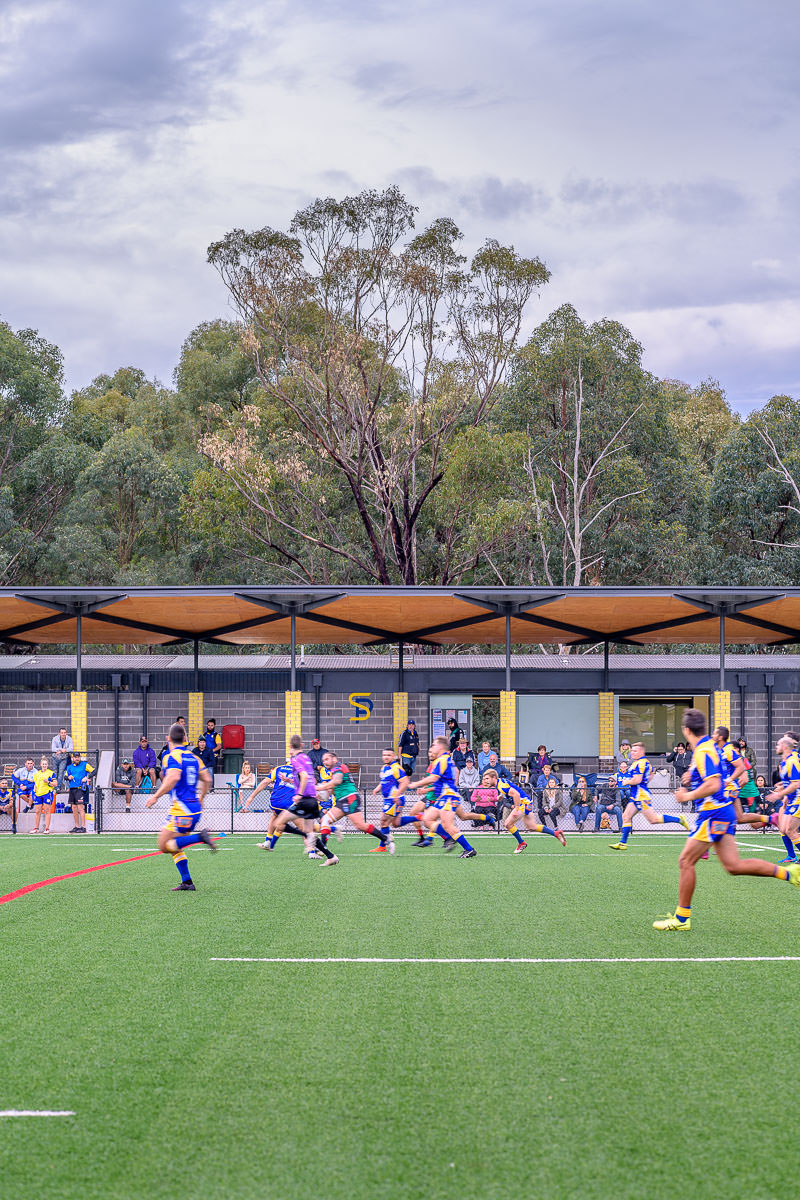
[637, 778]
[281, 781]
[715, 825]
[735, 768]
[188, 781]
[347, 802]
[305, 804]
[788, 791]
[444, 799]
[392, 788]
[522, 807]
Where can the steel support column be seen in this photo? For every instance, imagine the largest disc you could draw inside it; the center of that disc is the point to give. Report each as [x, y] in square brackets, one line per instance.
[293, 652]
[78, 654]
[722, 650]
[508, 652]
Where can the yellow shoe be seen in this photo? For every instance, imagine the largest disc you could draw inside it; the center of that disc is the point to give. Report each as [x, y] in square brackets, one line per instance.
[671, 922]
[794, 875]
[685, 822]
[618, 846]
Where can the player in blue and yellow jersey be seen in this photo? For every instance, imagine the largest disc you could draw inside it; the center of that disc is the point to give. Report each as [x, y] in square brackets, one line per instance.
[441, 781]
[281, 782]
[44, 794]
[521, 809]
[715, 824]
[735, 772]
[637, 778]
[392, 788]
[187, 781]
[788, 791]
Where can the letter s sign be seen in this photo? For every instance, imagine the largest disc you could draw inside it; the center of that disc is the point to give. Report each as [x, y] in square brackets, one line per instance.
[362, 704]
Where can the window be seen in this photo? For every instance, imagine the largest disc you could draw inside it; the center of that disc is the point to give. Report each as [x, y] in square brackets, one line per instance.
[656, 722]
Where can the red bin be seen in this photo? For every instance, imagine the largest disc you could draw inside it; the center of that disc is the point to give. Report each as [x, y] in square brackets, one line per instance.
[233, 737]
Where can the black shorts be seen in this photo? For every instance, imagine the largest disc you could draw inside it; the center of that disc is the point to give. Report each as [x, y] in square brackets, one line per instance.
[77, 796]
[349, 804]
[306, 807]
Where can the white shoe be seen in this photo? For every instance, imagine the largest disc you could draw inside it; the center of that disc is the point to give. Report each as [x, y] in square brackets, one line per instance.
[263, 845]
[339, 832]
[45, 831]
[33, 831]
[391, 844]
[313, 854]
[331, 862]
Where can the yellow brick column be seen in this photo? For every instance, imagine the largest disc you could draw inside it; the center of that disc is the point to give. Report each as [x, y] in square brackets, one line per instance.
[605, 724]
[722, 709]
[79, 731]
[293, 711]
[399, 716]
[194, 717]
[508, 726]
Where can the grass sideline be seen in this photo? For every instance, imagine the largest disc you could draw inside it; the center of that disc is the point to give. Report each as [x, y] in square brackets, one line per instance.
[392, 1081]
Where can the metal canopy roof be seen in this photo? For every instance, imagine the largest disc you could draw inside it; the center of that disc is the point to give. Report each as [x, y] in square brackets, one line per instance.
[371, 615]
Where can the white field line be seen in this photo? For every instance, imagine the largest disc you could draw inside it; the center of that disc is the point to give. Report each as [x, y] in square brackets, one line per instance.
[515, 961]
[35, 1112]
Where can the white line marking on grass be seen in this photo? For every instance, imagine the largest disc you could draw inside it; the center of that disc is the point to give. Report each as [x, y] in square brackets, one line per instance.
[512, 961]
[761, 849]
[35, 1112]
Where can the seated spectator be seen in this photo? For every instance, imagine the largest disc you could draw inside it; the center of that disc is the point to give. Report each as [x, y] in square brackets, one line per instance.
[460, 753]
[764, 804]
[206, 755]
[485, 798]
[581, 803]
[213, 739]
[44, 795]
[550, 802]
[145, 762]
[247, 776]
[608, 801]
[78, 781]
[545, 777]
[538, 761]
[6, 799]
[62, 746]
[315, 754]
[125, 781]
[495, 765]
[483, 757]
[468, 777]
[22, 780]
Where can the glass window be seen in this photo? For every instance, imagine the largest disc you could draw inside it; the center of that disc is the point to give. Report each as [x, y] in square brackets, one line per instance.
[656, 722]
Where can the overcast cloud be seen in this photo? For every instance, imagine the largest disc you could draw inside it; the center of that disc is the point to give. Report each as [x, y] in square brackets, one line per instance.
[649, 154]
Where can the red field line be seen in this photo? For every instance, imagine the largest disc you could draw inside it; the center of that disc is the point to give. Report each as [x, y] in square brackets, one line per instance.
[32, 887]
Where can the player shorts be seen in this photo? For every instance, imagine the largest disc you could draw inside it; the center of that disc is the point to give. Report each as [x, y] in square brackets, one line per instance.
[306, 807]
[39, 800]
[280, 804]
[77, 796]
[446, 802]
[391, 805]
[793, 808]
[349, 804]
[645, 800]
[713, 824]
[183, 816]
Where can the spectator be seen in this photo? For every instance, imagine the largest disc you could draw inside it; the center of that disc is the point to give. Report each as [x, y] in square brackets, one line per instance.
[538, 761]
[524, 776]
[746, 751]
[486, 798]
[206, 755]
[550, 803]
[44, 794]
[144, 761]
[62, 747]
[246, 777]
[213, 739]
[315, 754]
[484, 754]
[765, 805]
[6, 798]
[125, 781]
[409, 747]
[454, 732]
[680, 756]
[608, 801]
[460, 753]
[545, 777]
[468, 777]
[78, 780]
[182, 722]
[623, 756]
[23, 782]
[495, 765]
[581, 803]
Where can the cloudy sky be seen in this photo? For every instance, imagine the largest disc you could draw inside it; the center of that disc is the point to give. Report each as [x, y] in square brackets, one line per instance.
[647, 152]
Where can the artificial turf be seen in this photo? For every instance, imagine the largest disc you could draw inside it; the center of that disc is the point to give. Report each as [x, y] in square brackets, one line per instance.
[198, 1079]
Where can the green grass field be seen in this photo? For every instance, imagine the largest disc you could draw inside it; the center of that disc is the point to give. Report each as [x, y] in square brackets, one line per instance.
[198, 1079]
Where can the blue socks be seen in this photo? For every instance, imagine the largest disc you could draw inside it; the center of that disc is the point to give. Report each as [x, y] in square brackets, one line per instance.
[188, 839]
[183, 869]
[789, 844]
[462, 841]
[626, 833]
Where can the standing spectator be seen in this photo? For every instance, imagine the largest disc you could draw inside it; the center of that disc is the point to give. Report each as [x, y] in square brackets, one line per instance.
[6, 798]
[484, 754]
[125, 781]
[623, 755]
[213, 740]
[78, 779]
[454, 733]
[495, 765]
[538, 761]
[315, 754]
[746, 751]
[581, 803]
[23, 782]
[44, 794]
[144, 761]
[62, 747]
[460, 753]
[409, 748]
[680, 756]
[468, 777]
[206, 755]
[608, 802]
